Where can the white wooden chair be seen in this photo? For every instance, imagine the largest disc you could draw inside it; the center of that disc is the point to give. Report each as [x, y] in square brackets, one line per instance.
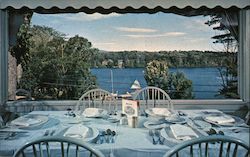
[96, 98]
[153, 97]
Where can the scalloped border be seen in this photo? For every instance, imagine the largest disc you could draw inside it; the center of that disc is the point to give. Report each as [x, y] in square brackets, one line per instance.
[128, 9]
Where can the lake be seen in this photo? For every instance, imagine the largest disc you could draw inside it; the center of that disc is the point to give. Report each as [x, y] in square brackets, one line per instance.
[206, 81]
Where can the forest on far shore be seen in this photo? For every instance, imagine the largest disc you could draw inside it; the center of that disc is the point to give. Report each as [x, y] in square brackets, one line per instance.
[139, 59]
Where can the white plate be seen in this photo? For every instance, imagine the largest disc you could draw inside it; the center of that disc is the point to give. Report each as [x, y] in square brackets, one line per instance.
[113, 119]
[151, 113]
[100, 115]
[154, 125]
[238, 121]
[176, 120]
[40, 119]
[168, 135]
[90, 137]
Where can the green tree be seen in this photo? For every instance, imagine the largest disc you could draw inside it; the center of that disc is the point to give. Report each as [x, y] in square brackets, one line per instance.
[180, 86]
[228, 37]
[21, 50]
[57, 69]
[156, 74]
[176, 85]
[229, 79]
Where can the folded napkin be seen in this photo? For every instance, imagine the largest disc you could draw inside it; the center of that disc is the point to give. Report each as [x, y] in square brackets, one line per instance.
[220, 119]
[182, 132]
[161, 111]
[93, 112]
[77, 131]
[25, 121]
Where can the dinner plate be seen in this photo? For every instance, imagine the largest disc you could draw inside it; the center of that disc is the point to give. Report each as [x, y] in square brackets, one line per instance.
[175, 120]
[113, 119]
[32, 119]
[154, 125]
[102, 114]
[238, 120]
[94, 132]
[168, 135]
[164, 113]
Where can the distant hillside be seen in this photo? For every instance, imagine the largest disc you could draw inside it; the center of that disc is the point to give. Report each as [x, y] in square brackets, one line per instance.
[139, 59]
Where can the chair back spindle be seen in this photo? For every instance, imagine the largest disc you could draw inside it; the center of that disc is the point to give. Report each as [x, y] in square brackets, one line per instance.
[216, 145]
[153, 97]
[96, 98]
[44, 147]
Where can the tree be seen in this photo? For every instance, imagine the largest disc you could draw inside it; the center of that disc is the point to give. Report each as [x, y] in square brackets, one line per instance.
[156, 74]
[176, 85]
[22, 48]
[229, 79]
[18, 55]
[229, 38]
[180, 86]
[57, 69]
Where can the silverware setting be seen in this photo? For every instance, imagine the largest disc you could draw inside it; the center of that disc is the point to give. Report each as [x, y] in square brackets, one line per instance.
[8, 135]
[49, 133]
[160, 138]
[156, 137]
[180, 113]
[152, 135]
[107, 136]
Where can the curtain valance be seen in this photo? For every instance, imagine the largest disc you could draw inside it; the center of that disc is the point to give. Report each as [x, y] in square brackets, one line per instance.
[185, 7]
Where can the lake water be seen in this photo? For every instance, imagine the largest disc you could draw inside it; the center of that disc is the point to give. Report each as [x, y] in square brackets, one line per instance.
[206, 81]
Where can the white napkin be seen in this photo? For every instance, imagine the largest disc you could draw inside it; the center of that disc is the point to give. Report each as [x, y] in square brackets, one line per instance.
[24, 121]
[220, 119]
[182, 132]
[161, 111]
[77, 131]
[93, 112]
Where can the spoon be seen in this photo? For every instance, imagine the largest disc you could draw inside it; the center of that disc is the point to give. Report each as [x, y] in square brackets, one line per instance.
[157, 134]
[152, 135]
[113, 136]
[108, 137]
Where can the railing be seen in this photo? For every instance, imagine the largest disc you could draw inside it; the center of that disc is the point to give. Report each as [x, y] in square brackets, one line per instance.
[24, 107]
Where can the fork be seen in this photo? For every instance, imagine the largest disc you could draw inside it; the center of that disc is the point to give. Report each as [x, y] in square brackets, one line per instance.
[10, 135]
[113, 137]
[160, 139]
[151, 133]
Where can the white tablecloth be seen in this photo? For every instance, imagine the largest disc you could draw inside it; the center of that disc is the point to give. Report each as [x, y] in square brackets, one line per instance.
[129, 141]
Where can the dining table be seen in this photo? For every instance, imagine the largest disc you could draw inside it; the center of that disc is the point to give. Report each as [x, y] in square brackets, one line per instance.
[143, 140]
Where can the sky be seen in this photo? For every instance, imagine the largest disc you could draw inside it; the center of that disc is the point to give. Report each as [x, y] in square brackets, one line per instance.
[141, 32]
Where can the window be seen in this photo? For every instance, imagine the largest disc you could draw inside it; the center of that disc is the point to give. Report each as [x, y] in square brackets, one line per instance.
[72, 53]
[243, 45]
